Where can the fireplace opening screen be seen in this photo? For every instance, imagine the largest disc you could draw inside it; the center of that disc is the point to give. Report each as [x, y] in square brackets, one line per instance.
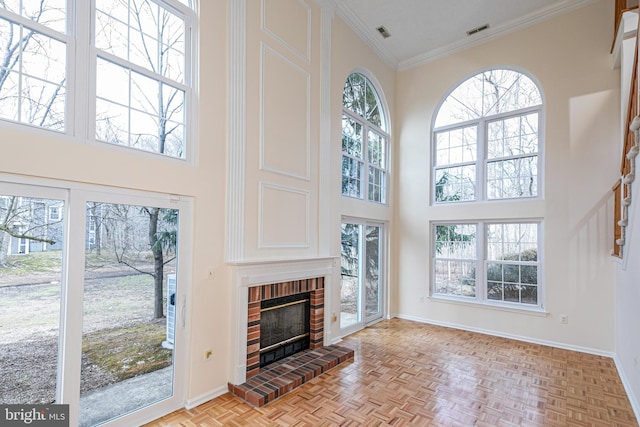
[284, 327]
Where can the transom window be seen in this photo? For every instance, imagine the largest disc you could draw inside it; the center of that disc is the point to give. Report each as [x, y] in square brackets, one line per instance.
[33, 72]
[364, 141]
[486, 142]
[487, 262]
[138, 69]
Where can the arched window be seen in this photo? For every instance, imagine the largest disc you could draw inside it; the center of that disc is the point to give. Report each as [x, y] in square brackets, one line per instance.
[364, 141]
[486, 143]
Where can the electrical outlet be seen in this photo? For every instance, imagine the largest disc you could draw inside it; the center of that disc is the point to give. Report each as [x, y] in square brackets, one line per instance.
[564, 319]
[421, 299]
[208, 354]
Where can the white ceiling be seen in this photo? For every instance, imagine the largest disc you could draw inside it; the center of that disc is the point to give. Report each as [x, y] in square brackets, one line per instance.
[422, 30]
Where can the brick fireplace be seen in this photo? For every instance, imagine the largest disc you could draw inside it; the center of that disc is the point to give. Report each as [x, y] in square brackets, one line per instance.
[255, 282]
[258, 294]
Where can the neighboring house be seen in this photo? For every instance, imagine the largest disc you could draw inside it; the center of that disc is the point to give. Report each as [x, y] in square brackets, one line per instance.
[39, 218]
[43, 219]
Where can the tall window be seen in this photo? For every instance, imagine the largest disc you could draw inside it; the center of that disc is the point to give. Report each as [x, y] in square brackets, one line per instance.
[141, 84]
[488, 262]
[139, 70]
[364, 141]
[486, 142]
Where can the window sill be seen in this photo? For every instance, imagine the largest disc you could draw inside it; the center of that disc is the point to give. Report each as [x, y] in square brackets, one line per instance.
[533, 311]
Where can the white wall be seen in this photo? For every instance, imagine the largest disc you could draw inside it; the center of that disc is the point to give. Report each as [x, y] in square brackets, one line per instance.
[569, 57]
[628, 304]
[627, 290]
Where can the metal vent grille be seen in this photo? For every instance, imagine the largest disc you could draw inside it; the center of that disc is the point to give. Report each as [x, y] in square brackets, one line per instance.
[477, 29]
[383, 32]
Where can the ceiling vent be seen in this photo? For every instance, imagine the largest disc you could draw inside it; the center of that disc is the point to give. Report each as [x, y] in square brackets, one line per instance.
[477, 29]
[383, 32]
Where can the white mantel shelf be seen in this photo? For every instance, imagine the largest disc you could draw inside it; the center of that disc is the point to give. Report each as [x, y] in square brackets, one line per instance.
[263, 272]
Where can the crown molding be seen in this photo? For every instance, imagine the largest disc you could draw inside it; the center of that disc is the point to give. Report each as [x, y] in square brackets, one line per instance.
[375, 43]
[371, 39]
[495, 32]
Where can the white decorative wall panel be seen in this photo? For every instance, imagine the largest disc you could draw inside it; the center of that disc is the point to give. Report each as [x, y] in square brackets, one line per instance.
[284, 216]
[285, 116]
[293, 30]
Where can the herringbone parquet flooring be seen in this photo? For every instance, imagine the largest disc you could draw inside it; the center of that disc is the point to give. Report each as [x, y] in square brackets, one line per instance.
[412, 374]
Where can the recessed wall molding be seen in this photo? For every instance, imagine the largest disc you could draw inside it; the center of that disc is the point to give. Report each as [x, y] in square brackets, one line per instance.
[296, 40]
[285, 116]
[284, 217]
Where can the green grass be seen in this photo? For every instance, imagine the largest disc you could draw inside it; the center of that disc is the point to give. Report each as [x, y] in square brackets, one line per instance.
[36, 262]
[129, 351]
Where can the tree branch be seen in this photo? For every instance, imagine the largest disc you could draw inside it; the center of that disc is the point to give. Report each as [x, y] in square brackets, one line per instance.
[12, 233]
[121, 260]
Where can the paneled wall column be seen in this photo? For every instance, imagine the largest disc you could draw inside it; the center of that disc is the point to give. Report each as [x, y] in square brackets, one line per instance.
[237, 129]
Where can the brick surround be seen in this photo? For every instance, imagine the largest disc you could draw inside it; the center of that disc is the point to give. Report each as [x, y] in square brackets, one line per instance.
[257, 294]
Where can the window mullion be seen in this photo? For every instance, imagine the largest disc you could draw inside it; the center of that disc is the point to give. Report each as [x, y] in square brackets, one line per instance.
[138, 69]
[36, 26]
[365, 159]
[481, 251]
[80, 108]
[481, 160]
[20, 72]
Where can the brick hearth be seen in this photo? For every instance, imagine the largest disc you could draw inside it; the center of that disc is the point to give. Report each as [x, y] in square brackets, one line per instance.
[281, 377]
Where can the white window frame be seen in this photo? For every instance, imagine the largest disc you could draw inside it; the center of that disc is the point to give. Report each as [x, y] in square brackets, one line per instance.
[481, 262]
[367, 126]
[80, 82]
[362, 320]
[70, 43]
[482, 160]
[75, 197]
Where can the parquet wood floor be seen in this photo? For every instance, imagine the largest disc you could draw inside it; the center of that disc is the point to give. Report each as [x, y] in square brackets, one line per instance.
[412, 374]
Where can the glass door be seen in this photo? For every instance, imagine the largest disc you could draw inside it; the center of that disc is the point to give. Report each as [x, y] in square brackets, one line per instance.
[372, 277]
[94, 305]
[362, 262]
[129, 319]
[31, 276]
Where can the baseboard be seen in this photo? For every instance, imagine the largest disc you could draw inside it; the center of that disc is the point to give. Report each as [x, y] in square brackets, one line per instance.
[627, 387]
[588, 350]
[204, 398]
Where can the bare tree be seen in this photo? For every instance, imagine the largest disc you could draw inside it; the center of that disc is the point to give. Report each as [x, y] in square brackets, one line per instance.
[156, 42]
[23, 218]
[36, 99]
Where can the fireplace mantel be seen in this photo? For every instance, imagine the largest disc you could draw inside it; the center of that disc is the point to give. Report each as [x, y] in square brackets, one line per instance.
[256, 273]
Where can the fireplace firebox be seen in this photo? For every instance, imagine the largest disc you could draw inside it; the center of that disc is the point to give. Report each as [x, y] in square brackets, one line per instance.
[284, 327]
[311, 289]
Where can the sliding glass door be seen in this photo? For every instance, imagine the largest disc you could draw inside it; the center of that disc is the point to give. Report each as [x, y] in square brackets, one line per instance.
[32, 239]
[94, 301]
[129, 309]
[362, 273]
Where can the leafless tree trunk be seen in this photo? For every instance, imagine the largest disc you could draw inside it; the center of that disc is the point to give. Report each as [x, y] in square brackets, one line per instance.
[158, 262]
